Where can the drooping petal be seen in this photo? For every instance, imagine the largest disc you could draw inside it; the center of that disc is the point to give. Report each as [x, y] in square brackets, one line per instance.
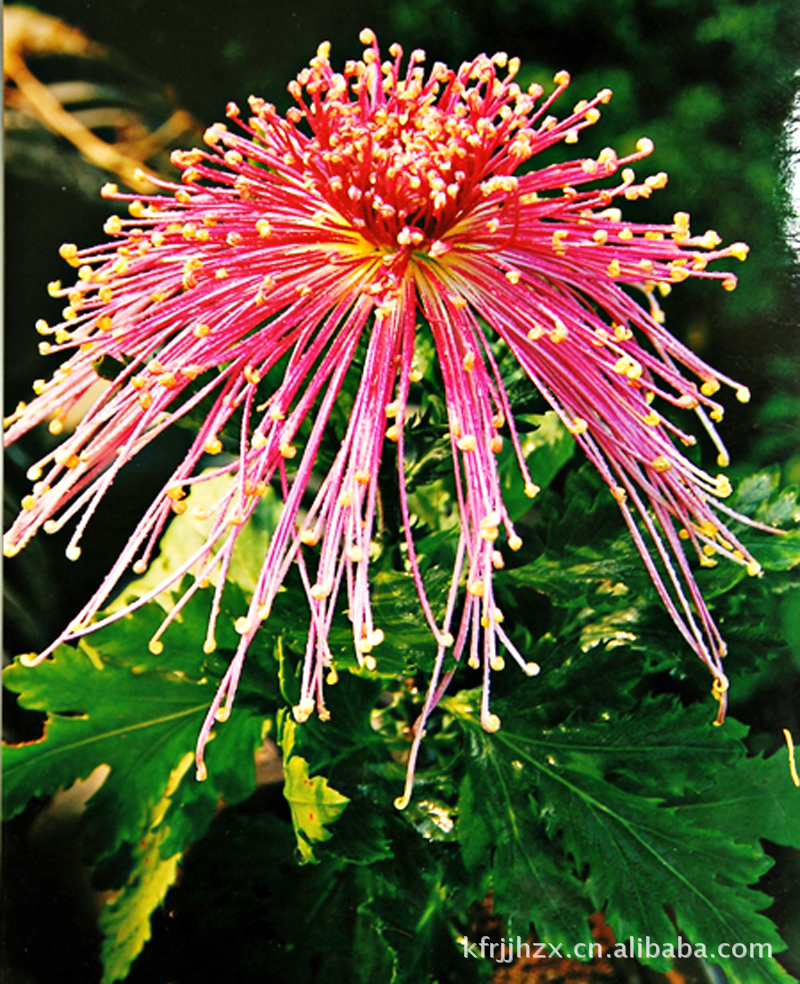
[244, 293]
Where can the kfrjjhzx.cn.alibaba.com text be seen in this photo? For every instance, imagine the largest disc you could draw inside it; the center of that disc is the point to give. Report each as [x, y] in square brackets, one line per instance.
[641, 948]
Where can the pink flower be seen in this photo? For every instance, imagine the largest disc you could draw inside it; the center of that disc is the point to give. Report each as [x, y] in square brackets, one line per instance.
[385, 198]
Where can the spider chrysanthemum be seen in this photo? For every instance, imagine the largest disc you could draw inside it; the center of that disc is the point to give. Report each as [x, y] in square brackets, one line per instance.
[387, 202]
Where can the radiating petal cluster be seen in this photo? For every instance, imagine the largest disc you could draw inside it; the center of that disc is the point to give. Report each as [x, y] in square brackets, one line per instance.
[387, 202]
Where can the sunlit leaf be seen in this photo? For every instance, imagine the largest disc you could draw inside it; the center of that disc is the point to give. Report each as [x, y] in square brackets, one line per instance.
[313, 802]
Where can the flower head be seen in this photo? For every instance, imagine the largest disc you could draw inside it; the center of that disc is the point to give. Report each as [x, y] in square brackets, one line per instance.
[384, 199]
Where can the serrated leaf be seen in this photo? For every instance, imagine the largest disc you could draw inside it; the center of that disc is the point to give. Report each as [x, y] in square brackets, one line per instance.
[662, 749]
[361, 834]
[500, 831]
[313, 802]
[778, 553]
[141, 724]
[643, 856]
[639, 808]
[125, 921]
[753, 491]
[755, 800]
[137, 715]
[110, 701]
[761, 497]
[571, 573]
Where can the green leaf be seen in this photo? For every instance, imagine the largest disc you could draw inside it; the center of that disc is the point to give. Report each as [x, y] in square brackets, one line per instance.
[644, 856]
[761, 497]
[408, 643]
[110, 701]
[362, 833]
[500, 831]
[662, 749]
[139, 723]
[186, 533]
[546, 447]
[756, 800]
[314, 804]
[125, 921]
[571, 573]
[412, 903]
[616, 801]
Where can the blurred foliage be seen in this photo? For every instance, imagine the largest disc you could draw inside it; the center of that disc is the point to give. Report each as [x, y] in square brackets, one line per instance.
[115, 121]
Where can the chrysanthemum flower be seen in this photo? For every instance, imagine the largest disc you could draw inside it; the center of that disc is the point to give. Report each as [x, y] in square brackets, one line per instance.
[384, 200]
